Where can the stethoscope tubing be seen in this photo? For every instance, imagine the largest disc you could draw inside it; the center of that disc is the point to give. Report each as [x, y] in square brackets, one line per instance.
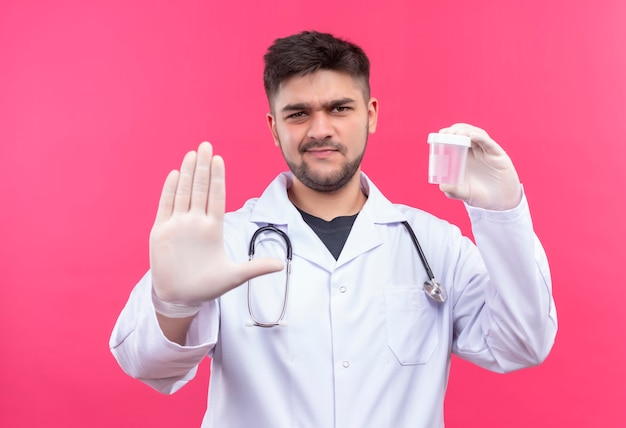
[289, 255]
[432, 288]
[420, 252]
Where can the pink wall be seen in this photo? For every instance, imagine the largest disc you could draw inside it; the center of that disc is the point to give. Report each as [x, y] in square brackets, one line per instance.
[100, 99]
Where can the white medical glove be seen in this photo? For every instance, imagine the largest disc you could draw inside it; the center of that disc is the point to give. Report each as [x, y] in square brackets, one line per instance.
[491, 181]
[187, 257]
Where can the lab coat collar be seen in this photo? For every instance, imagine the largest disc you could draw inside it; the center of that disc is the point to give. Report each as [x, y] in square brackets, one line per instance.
[367, 232]
[275, 207]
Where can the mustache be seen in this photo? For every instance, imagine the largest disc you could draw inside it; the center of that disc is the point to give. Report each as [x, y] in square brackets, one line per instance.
[318, 144]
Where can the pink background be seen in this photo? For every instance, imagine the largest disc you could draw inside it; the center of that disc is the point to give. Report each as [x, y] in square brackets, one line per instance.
[100, 99]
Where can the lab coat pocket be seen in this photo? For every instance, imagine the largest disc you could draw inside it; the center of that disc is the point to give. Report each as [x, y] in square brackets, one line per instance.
[412, 329]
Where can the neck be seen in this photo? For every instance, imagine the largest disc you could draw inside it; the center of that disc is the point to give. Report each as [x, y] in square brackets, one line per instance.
[343, 202]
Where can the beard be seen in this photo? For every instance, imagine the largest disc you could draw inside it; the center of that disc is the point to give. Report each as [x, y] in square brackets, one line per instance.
[325, 183]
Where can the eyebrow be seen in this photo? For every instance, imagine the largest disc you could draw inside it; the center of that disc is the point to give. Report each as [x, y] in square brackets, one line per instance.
[306, 106]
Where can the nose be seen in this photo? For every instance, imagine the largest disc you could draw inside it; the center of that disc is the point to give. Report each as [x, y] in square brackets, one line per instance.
[320, 126]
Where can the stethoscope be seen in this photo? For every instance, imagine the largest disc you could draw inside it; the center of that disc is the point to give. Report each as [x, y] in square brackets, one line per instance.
[432, 288]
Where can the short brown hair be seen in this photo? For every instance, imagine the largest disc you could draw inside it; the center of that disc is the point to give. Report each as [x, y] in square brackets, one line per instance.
[310, 51]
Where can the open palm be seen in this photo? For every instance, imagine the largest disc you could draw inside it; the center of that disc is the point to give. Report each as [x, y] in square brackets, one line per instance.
[187, 257]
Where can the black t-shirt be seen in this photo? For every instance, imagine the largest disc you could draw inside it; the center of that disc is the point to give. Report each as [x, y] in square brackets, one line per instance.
[334, 233]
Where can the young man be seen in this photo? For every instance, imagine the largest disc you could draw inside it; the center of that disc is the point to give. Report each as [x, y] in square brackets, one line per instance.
[343, 335]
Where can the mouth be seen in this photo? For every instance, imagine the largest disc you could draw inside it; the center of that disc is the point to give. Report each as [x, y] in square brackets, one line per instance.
[318, 148]
[322, 152]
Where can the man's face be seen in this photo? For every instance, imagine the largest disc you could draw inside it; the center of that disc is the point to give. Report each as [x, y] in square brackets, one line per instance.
[321, 123]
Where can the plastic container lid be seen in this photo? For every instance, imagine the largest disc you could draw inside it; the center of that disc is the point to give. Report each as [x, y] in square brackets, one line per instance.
[457, 140]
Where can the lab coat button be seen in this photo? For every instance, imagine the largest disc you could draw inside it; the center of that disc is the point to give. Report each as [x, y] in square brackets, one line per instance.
[342, 289]
[345, 364]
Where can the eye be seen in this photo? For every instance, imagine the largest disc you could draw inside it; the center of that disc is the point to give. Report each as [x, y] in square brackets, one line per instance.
[340, 109]
[296, 115]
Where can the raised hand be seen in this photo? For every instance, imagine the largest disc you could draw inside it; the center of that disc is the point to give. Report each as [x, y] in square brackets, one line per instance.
[491, 181]
[187, 257]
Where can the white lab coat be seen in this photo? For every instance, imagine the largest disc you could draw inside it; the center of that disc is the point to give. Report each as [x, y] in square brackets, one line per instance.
[362, 345]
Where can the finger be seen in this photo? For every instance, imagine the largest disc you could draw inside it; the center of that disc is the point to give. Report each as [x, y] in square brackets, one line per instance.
[454, 191]
[464, 129]
[479, 137]
[457, 128]
[257, 267]
[201, 177]
[185, 178]
[166, 202]
[217, 190]
[485, 143]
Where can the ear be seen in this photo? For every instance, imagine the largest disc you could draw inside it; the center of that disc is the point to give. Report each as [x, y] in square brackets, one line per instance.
[372, 115]
[271, 122]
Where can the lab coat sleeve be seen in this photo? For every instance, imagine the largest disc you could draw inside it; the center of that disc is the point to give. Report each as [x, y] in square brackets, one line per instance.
[515, 324]
[143, 352]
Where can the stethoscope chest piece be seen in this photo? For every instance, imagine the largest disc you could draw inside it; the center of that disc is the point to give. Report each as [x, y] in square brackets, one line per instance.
[435, 291]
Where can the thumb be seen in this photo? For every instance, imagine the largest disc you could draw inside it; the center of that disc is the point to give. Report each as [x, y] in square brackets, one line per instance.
[258, 267]
[453, 191]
